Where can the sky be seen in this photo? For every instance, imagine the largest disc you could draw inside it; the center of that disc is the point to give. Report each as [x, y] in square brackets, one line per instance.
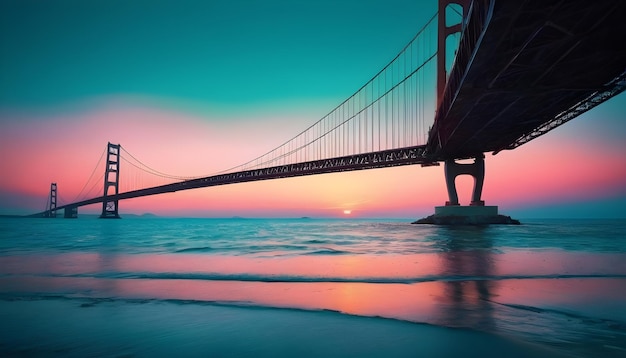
[195, 87]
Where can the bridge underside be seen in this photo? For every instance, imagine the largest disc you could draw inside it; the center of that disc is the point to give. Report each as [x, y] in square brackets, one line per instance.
[539, 64]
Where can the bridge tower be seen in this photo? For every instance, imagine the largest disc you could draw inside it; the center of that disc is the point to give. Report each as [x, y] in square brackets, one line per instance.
[111, 183]
[52, 202]
[444, 31]
[452, 169]
[453, 213]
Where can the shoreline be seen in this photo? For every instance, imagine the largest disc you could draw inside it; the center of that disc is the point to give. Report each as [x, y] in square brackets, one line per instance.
[513, 309]
[84, 327]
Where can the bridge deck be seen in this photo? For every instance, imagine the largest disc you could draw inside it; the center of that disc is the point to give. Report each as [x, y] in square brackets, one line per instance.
[536, 59]
[381, 159]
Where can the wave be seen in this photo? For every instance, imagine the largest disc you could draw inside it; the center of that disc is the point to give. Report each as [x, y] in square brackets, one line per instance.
[92, 301]
[328, 251]
[567, 314]
[318, 279]
[87, 302]
[317, 241]
[195, 249]
[254, 249]
[605, 333]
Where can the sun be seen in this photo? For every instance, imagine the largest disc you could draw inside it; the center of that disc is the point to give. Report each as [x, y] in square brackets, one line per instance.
[347, 212]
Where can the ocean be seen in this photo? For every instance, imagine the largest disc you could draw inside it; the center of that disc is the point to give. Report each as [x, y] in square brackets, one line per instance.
[308, 287]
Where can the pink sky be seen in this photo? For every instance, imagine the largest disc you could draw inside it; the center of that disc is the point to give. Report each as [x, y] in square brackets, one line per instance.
[564, 166]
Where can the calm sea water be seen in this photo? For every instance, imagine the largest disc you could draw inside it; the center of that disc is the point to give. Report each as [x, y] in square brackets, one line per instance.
[557, 284]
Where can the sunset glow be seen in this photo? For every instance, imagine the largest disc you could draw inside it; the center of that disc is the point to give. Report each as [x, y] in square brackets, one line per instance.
[191, 103]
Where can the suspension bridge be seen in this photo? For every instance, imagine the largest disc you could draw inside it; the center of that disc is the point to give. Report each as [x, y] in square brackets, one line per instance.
[502, 75]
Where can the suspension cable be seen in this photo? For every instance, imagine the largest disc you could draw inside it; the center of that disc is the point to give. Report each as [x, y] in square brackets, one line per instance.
[90, 176]
[341, 105]
[93, 186]
[62, 200]
[150, 170]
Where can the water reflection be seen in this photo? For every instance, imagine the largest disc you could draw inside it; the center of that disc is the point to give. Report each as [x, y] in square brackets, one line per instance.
[108, 251]
[468, 266]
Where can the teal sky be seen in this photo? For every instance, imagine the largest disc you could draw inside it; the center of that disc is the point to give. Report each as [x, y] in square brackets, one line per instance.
[219, 53]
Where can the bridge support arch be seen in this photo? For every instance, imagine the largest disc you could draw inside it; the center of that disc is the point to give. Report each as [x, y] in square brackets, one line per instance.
[111, 183]
[476, 213]
[452, 169]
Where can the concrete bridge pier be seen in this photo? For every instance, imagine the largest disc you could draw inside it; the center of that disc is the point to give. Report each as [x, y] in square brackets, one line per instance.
[477, 213]
[71, 212]
[453, 169]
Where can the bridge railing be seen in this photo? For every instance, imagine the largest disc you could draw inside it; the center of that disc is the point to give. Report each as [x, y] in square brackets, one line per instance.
[609, 90]
[386, 158]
